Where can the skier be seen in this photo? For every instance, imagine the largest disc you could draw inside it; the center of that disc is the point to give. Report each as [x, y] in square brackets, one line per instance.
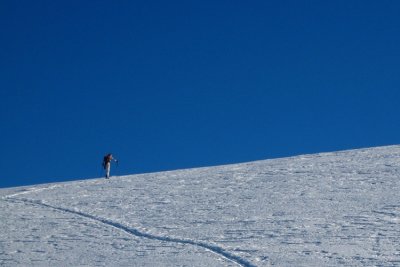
[107, 163]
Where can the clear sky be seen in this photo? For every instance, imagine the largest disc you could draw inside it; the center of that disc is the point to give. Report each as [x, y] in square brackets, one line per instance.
[176, 84]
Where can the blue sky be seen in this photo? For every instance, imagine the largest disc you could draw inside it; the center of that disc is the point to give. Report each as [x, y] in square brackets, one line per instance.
[176, 84]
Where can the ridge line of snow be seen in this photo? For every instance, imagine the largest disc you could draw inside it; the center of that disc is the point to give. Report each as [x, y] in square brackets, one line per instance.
[133, 231]
[34, 189]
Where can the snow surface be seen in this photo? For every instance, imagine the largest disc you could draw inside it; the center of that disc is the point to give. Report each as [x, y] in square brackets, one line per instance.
[330, 209]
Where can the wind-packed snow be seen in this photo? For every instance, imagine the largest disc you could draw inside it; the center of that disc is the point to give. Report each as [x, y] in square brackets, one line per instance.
[331, 209]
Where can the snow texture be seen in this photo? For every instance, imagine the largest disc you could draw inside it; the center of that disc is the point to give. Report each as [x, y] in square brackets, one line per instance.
[330, 209]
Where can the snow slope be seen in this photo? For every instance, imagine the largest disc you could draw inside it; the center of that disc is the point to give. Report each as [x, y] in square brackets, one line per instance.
[331, 209]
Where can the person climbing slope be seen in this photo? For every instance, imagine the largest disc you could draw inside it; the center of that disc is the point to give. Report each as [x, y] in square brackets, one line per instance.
[107, 163]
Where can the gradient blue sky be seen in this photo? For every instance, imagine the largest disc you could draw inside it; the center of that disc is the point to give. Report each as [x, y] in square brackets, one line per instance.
[175, 84]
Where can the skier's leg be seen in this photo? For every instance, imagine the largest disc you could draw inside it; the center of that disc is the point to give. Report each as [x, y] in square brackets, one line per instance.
[108, 170]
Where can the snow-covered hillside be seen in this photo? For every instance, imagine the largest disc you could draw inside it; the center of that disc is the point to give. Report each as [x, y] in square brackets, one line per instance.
[331, 209]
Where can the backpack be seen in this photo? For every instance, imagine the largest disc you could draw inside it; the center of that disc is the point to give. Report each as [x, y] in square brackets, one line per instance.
[106, 159]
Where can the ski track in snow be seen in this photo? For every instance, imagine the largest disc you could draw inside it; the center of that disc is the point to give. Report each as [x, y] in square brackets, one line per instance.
[132, 231]
[28, 191]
